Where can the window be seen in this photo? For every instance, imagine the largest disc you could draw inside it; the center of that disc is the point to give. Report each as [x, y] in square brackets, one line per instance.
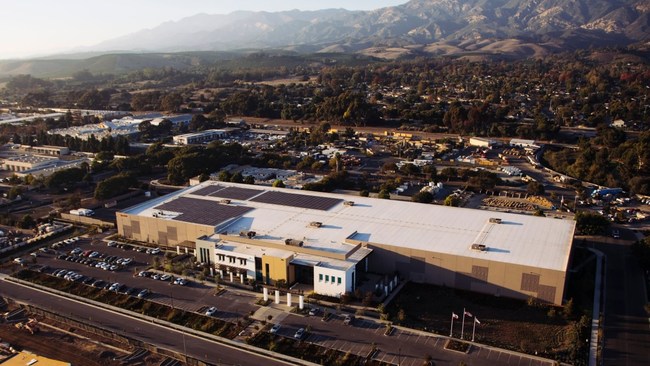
[222, 257]
[327, 278]
[320, 277]
[242, 261]
[231, 259]
[339, 280]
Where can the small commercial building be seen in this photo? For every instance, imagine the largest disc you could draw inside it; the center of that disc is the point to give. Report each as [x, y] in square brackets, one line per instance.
[28, 162]
[330, 240]
[200, 137]
[481, 142]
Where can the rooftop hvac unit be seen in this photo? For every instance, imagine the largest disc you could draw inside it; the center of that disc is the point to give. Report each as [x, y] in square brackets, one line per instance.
[495, 220]
[249, 234]
[480, 247]
[294, 242]
[315, 224]
[348, 203]
[225, 202]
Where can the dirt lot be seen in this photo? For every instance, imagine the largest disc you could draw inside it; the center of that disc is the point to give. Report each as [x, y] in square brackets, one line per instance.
[59, 345]
[507, 323]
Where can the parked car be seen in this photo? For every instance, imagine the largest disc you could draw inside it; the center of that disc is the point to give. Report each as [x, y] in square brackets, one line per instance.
[112, 243]
[211, 311]
[165, 277]
[616, 234]
[275, 328]
[144, 293]
[314, 311]
[144, 274]
[180, 281]
[299, 333]
[348, 319]
[115, 286]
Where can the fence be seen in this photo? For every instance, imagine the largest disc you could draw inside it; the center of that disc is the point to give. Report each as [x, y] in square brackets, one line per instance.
[86, 220]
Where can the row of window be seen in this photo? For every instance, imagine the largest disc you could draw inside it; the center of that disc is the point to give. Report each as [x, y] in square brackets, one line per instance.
[336, 280]
[231, 259]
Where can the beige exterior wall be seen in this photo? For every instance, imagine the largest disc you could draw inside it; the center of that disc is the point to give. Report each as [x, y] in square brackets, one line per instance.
[162, 232]
[278, 269]
[473, 274]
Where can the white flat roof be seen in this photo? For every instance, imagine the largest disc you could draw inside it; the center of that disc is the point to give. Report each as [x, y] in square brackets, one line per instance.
[520, 239]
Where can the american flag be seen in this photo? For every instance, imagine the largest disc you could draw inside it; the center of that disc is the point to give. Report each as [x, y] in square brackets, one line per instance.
[454, 315]
[467, 313]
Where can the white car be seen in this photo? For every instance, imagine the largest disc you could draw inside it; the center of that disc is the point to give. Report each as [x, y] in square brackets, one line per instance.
[165, 277]
[211, 311]
[180, 281]
[299, 334]
[114, 287]
[275, 328]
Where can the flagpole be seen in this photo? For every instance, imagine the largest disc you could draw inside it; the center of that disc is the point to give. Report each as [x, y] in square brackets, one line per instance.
[451, 331]
[473, 328]
[462, 328]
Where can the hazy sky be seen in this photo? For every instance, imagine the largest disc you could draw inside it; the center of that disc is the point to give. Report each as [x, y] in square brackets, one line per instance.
[40, 27]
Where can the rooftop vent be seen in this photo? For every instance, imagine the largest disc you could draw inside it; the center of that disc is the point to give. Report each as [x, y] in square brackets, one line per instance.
[315, 224]
[348, 203]
[249, 234]
[294, 242]
[480, 247]
[495, 220]
[225, 202]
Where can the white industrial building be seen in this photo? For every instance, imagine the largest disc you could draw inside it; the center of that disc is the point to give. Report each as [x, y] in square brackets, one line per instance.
[329, 240]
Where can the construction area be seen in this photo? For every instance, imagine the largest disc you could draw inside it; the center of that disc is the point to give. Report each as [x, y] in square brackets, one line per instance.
[25, 330]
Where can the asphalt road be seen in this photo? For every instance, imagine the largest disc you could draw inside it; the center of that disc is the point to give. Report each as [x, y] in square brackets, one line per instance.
[148, 332]
[626, 324]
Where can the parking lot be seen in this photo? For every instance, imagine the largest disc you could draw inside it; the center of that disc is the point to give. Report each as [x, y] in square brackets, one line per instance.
[103, 265]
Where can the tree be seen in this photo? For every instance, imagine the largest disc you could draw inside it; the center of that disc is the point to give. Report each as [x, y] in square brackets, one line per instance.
[384, 194]
[224, 176]
[588, 223]
[14, 192]
[422, 197]
[237, 178]
[535, 188]
[278, 183]
[114, 186]
[452, 200]
[364, 193]
[27, 222]
[249, 179]
[172, 102]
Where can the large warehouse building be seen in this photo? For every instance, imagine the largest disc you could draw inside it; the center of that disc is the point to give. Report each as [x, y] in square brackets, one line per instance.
[328, 240]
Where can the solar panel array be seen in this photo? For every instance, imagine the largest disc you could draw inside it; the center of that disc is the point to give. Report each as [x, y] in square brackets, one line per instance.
[206, 191]
[203, 212]
[236, 193]
[297, 200]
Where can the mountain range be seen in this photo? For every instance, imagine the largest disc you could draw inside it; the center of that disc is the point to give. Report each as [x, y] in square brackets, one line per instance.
[444, 26]
[476, 29]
